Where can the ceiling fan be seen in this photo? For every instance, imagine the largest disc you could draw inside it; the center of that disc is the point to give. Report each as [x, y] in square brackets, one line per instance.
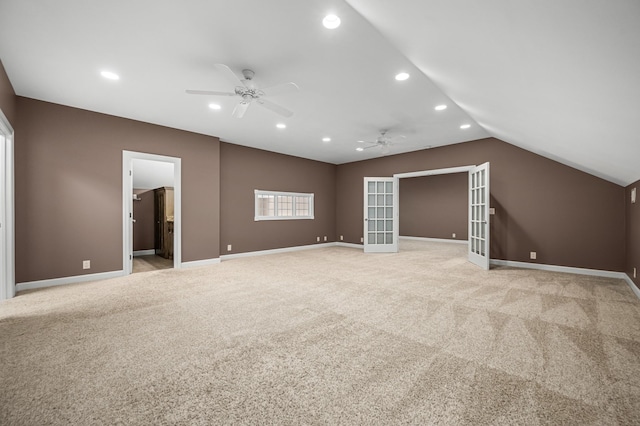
[249, 92]
[383, 141]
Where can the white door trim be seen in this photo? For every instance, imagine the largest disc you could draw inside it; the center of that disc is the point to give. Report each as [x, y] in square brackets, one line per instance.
[7, 212]
[127, 206]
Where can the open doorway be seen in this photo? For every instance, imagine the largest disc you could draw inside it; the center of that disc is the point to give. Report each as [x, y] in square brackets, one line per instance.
[153, 215]
[151, 212]
[478, 205]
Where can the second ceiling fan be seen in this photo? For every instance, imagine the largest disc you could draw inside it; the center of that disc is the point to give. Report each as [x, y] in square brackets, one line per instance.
[249, 92]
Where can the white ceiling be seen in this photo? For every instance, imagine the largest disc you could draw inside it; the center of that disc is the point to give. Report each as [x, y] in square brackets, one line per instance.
[559, 78]
[149, 174]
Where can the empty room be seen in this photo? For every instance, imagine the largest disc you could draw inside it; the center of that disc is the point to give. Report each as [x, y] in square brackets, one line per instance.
[319, 212]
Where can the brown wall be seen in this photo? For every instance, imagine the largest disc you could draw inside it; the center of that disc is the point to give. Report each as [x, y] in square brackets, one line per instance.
[7, 97]
[568, 217]
[68, 177]
[143, 228]
[633, 233]
[434, 206]
[244, 170]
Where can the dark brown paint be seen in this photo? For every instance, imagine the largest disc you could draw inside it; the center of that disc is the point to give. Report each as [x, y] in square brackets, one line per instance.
[68, 177]
[244, 170]
[570, 218]
[434, 206]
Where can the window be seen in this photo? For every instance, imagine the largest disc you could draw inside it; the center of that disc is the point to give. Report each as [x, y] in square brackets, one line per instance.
[272, 205]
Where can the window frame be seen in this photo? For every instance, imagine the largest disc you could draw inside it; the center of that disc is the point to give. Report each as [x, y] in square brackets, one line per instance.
[275, 194]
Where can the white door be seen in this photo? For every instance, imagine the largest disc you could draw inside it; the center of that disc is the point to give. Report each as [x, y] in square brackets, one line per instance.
[4, 293]
[479, 215]
[379, 212]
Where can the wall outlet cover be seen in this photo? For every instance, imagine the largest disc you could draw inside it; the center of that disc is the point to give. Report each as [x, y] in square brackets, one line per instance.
[492, 210]
[533, 255]
[318, 239]
[362, 239]
[633, 195]
[341, 238]
[228, 247]
[86, 264]
[325, 238]
[453, 235]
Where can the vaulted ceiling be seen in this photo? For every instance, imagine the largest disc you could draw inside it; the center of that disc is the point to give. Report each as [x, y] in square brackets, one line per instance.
[559, 78]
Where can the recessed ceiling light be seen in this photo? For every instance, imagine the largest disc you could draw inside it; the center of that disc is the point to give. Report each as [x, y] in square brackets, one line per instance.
[402, 76]
[110, 75]
[326, 139]
[441, 107]
[331, 22]
[214, 106]
[281, 126]
[359, 149]
[465, 126]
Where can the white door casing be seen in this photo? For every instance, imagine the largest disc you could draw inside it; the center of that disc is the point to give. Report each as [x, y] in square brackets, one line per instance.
[127, 206]
[379, 215]
[479, 197]
[7, 232]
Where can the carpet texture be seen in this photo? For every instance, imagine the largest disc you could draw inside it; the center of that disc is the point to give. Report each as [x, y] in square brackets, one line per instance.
[325, 336]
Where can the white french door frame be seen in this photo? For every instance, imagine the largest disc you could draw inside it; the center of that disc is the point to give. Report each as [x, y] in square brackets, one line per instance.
[127, 206]
[484, 261]
[380, 212]
[7, 212]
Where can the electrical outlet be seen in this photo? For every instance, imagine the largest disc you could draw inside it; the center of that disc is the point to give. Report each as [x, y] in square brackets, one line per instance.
[362, 239]
[325, 238]
[228, 247]
[634, 272]
[318, 239]
[492, 210]
[453, 235]
[633, 196]
[533, 255]
[86, 264]
[341, 238]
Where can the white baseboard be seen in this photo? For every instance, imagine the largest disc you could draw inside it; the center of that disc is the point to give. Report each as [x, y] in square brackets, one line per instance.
[144, 252]
[275, 251]
[633, 286]
[556, 268]
[203, 262]
[68, 280]
[434, 240]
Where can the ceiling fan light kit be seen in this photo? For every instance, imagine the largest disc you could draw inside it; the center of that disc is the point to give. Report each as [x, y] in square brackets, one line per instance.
[249, 92]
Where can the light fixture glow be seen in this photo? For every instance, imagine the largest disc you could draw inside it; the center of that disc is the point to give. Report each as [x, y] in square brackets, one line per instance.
[110, 75]
[331, 22]
[281, 126]
[326, 139]
[402, 76]
[359, 149]
[465, 126]
[441, 107]
[214, 106]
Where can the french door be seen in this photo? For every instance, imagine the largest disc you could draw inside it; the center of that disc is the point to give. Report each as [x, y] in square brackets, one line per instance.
[479, 215]
[379, 213]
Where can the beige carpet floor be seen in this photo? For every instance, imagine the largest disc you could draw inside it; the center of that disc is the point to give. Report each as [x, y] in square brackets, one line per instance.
[325, 336]
[151, 262]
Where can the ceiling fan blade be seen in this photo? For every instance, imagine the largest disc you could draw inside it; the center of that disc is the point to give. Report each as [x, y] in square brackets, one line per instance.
[367, 142]
[229, 75]
[371, 146]
[275, 107]
[281, 89]
[240, 109]
[209, 92]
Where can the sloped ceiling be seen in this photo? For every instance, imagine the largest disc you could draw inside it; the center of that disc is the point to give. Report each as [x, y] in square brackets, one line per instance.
[559, 78]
